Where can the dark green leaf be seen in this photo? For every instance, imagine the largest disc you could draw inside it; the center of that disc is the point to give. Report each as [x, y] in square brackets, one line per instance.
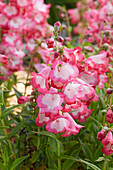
[82, 161]
[18, 94]
[68, 163]
[18, 161]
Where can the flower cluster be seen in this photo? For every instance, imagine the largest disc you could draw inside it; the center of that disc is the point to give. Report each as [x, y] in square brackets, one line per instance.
[105, 135]
[21, 22]
[94, 20]
[65, 85]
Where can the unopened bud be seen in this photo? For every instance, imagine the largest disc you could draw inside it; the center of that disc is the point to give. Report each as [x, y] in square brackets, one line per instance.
[58, 24]
[109, 91]
[56, 54]
[101, 135]
[60, 39]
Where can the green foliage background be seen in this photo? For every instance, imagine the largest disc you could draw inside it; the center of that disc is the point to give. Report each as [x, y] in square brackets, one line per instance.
[54, 14]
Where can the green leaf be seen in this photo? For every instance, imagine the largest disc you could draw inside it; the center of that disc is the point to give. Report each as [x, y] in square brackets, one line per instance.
[82, 161]
[2, 138]
[2, 167]
[5, 156]
[68, 163]
[18, 94]
[102, 100]
[52, 145]
[1, 95]
[95, 120]
[35, 156]
[111, 69]
[9, 110]
[18, 161]
[15, 129]
[50, 158]
[86, 150]
[45, 133]
[98, 151]
[100, 159]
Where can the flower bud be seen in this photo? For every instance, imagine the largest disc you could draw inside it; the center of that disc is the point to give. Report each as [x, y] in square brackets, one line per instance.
[109, 91]
[101, 135]
[60, 39]
[23, 99]
[56, 54]
[109, 116]
[58, 24]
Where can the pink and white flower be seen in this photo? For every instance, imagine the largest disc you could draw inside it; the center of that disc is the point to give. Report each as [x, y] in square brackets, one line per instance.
[63, 71]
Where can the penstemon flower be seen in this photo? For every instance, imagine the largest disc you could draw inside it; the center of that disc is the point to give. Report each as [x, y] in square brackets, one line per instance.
[18, 34]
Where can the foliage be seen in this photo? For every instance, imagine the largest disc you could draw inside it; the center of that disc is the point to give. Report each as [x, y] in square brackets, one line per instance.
[25, 142]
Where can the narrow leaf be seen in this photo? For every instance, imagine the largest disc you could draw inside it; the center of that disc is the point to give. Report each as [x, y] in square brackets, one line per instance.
[18, 161]
[82, 161]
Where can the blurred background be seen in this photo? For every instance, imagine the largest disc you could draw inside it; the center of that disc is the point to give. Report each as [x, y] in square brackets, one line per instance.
[54, 13]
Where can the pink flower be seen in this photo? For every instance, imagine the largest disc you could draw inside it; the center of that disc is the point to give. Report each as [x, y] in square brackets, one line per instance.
[102, 79]
[63, 71]
[3, 20]
[74, 15]
[39, 81]
[72, 91]
[3, 59]
[69, 107]
[107, 144]
[100, 58]
[10, 11]
[81, 113]
[22, 3]
[72, 128]
[50, 43]
[101, 135]
[50, 102]
[90, 78]
[73, 55]
[109, 116]
[16, 23]
[58, 125]
[41, 120]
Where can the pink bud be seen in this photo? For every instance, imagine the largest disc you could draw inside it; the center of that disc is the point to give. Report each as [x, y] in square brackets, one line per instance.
[61, 15]
[60, 39]
[109, 91]
[101, 135]
[58, 24]
[23, 99]
[56, 54]
[109, 116]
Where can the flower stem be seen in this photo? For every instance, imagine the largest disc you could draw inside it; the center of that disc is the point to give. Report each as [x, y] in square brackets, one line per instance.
[105, 164]
[38, 137]
[59, 161]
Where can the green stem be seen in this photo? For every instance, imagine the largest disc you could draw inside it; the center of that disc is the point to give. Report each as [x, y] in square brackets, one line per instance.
[59, 161]
[38, 138]
[105, 164]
